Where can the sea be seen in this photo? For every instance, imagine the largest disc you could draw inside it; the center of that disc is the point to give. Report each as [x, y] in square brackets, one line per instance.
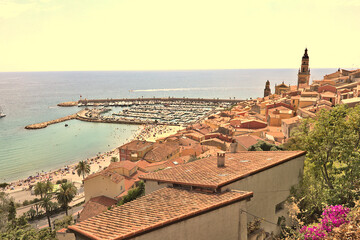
[32, 97]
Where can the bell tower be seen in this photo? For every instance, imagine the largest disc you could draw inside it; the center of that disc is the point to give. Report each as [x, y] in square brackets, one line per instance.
[304, 71]
[267, 90]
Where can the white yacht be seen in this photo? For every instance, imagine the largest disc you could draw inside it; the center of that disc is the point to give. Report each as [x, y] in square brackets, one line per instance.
[2, 114]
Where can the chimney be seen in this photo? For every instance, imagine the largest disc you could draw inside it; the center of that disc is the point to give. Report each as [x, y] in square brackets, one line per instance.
[233, 147]
[221, 159]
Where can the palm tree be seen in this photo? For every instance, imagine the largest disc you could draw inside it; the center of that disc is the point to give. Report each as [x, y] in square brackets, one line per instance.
[47, 204]
[114, 159]
[42, 188]
[83, 169]
[66, 194]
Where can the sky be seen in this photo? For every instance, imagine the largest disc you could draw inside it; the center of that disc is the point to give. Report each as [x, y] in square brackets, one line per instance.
[93, 35]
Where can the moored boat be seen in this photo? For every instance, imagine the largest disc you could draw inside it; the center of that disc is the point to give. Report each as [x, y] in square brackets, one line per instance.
[2, 114]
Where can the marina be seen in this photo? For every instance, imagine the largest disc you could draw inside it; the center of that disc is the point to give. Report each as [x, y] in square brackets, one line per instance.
[169, 111]
[173, 112]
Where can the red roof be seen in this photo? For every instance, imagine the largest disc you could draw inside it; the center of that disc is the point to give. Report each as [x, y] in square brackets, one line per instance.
[122, 164]
[247, 140]
[136, 145]
[108, 173]
[291, 120]
[96, 206]
[161, 151]
[205, 173]
[155, 210]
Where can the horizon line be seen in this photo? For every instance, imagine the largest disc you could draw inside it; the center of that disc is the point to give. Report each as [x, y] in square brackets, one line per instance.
[165, 70]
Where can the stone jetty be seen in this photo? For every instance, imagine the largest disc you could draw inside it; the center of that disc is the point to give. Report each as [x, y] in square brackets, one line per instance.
[68, 104]
[45, 124]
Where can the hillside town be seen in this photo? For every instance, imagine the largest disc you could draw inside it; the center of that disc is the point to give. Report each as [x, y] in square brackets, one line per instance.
[203, 181]
[220, 177]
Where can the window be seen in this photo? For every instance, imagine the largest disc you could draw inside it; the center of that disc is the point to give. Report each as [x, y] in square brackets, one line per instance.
[122, 150]
[279, 206]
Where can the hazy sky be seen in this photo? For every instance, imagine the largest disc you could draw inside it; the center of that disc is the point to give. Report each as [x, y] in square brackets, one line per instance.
[56, 35]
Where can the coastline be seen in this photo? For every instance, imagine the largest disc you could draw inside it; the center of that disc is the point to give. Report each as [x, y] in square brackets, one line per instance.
[98, 162]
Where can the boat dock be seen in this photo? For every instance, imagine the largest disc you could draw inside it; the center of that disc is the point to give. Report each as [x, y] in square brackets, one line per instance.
[162, 111]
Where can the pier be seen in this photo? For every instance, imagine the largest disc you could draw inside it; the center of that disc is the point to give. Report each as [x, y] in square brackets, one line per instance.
[45, 124]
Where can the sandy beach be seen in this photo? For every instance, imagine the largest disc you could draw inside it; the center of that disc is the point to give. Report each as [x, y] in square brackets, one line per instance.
[98, 162]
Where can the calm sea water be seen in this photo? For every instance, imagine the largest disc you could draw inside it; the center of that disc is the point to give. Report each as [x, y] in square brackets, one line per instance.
[31, 97]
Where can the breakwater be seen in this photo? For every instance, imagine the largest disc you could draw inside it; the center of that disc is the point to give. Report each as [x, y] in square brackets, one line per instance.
[170, 99]
[45, 124]
[154, 100]
[81, 115]
[68, 104]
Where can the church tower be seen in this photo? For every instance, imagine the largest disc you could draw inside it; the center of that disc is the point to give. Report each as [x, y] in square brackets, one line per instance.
[267, 90]
[304, 71]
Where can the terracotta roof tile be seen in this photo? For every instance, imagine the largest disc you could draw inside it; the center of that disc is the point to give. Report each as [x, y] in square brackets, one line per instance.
[247, 140]
[122, 164]
[328, 94]
[136, 145]
[161, 151]
[205, 173]
[155, 210]
[96, 206]
[291, 120]
[108, 173]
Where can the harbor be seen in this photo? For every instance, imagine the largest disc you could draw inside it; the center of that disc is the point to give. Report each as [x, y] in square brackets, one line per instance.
[161, 111]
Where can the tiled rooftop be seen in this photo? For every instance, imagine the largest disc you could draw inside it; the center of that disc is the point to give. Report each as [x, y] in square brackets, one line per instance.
[122, 164]
[158, 209]
[108, 173]
[161, 151]
[291, 120]
[205, 173]
[247, 140]
[136, 145]
[96, 206]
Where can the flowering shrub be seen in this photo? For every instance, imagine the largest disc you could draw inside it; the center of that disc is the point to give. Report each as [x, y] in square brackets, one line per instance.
[313, 233]
[332, 216]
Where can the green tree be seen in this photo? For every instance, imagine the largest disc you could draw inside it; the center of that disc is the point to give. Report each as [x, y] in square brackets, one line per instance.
[47, 204]
[12, 211]
[114, 159]
[31, 213]
[43, 188]
[5, 201]
[264, 146]
[331, 172]
[133, 193]
[83, 169]
[63, 223]
[65, 195]
[21, 229]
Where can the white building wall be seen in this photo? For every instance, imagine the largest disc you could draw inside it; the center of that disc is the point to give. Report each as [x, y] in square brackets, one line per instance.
[228, 223]
[270, 187]
[151, 186]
